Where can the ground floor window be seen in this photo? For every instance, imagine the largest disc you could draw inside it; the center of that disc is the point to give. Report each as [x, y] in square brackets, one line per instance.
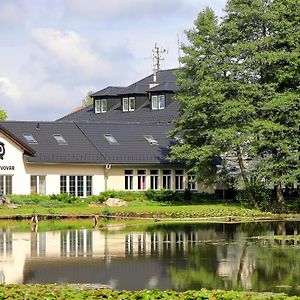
[5, 184]
[154, 179]
[167, 180]
[192, 184]
[38, 184]
[141, 179]
[78, 186]
[128, 179]
[179, 179]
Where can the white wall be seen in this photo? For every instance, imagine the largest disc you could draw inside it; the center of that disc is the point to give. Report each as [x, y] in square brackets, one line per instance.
[13, 157]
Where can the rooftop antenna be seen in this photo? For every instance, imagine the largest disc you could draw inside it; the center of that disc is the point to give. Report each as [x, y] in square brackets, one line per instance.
[157, 57]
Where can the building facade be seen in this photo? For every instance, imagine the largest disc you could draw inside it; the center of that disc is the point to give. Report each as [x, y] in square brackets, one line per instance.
[120, 142]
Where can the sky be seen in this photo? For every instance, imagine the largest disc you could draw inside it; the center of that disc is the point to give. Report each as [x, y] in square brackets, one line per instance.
[53, 52]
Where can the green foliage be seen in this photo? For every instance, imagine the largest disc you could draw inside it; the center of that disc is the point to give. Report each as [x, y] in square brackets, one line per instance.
[3, 115]
[256, 196]
[125, 195]
[161, 195]
[55, 291]
[239, 92]
[28, 199]
[65, 198]
[88, 100]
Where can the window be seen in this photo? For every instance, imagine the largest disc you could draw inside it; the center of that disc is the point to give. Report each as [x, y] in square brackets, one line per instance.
[5, 185]
[161, 101]
[30, 139]
[154, 179]
[38, 184]
[192, 185]
[125, 104]
[158, 102]
[150, 139]
[131, 104]
[111, 139]
[77, 186]
[141, 179]
[167, 179]
[128, 179]
[179, 179]
[154, 102]
[100, 106]
[128, 104]
[60, 139]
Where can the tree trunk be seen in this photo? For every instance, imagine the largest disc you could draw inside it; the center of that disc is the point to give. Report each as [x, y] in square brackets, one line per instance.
[279, 196]
[242, 166]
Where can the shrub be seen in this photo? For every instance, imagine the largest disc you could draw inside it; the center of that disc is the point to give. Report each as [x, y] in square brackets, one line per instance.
[160, 195]
[256, 196]
[65, 198]
[28, 199]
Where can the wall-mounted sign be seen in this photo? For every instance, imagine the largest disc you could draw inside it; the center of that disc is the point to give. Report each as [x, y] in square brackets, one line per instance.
[2, 150]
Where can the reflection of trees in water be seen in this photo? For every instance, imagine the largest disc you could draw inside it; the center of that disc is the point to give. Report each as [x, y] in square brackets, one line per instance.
[246, 265]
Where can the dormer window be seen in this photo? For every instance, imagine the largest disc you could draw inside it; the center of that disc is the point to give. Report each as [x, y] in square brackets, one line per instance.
[158, 102]
[100, 106]
[128, 104]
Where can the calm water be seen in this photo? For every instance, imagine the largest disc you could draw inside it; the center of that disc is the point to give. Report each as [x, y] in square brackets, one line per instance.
[180, 257]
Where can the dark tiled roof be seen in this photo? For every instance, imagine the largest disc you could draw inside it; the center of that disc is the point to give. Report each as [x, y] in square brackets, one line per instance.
[167, 80]
[87, 144]
[167, 86]
[78, 150]
[108, 91]
[143, 114]
[133, 148]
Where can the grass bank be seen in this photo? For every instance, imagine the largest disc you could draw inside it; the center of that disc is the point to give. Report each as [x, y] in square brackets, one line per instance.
[51, 292]
[138, 210]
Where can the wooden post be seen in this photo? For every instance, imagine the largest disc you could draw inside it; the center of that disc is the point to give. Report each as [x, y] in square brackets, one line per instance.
[96, 220]
[35, 219]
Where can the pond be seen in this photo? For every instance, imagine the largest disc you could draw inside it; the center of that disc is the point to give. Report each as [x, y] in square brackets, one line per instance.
[261, 256]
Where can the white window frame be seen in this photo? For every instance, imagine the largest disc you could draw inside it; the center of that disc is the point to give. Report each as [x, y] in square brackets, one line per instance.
[125, 104]
[76, 184]
[168, 179]
[131, 100]
[154, 178]
[154, 102]
[38, 187]
[159, 103]
[142, 179]
[128, 180]
[4, 192]
[179, 180]
[100, 106]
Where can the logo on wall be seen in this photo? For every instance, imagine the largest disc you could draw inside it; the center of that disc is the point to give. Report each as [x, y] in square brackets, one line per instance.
[2, 150]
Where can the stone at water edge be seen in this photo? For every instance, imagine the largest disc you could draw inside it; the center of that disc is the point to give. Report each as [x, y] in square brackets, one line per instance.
[115, 202]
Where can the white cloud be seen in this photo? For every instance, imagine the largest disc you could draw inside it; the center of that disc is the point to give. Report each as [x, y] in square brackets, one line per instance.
[9, 89]
[67, 51]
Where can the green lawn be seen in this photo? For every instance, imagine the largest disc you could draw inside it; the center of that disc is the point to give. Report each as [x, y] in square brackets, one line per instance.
[139, 209]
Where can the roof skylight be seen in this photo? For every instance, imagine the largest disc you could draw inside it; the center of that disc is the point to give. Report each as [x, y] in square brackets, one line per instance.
[111, 139]
[151, 140]
[30, 139]
[60, 139]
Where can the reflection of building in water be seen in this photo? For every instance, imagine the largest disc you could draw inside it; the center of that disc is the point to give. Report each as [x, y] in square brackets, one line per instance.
[233, 261]
[76, 243]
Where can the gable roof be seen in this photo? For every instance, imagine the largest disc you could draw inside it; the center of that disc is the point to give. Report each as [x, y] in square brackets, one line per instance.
[86, 143]
[167, 83]
[47, 150]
